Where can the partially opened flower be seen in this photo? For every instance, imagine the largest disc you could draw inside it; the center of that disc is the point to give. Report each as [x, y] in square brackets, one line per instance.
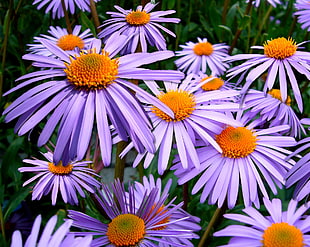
[55, 6]
[197, 114]
[192, 223]
[142, 25]
[251, 160]
[279, 228]
[303, 13]
[86, 90]
[216, 83]
[151, 223]
[202, 56]
[69, 180]
[281, 60]
[272, 110]
[61, 37]
[299, 175]
[49, 238]
[274, 3]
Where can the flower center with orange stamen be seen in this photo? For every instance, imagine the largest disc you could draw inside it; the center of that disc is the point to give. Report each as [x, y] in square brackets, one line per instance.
[137, 18]
[236, 142]
[182, 103]
[92, 70]
[160, 212]
[282, 235]
[203, 48]
[276, 93]
[280, 48]
[69, 42]
[214, 84]
[59, 169]
[126, 230]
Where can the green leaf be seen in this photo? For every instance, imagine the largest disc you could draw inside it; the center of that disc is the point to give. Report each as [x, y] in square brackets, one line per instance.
[245, 21]
[87, 23]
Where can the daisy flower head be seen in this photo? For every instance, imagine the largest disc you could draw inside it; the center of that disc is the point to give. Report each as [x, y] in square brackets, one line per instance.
[146, 187]
[303, 13]
[60, 37]
[274, 3]
[84, 90]
[143, 26]
[272, 110]
[56, 8]
[281, 59]
[202, 56]
[250, 160]
[69, 180]
[216, 83]
[279, 228]
[197, 114]
[148, 224]
[299, 174]
[48, 238]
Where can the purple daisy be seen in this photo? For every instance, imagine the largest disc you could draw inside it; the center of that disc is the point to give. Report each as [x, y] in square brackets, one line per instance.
[197, 114]
[84, 90]
[59, 238]
[299, 174]
[148, 224]
[145, 188]
[280, 228]
[203, 56]
[56, 8]
[303, 13]
[217, 83]
[272, 110]
[61, 37]
[250, 159]
[69, 180]
[143, 26]
[280, 57]
[274, 3]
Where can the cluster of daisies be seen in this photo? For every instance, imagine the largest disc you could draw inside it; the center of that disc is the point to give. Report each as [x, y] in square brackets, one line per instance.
[234, 142]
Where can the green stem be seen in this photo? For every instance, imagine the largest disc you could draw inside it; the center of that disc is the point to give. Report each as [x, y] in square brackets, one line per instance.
[2, 223]
[215, 218]
[293, 25]
[120, 163]
[94, 14]
[224, 13]
[68, 23]
[185, 196]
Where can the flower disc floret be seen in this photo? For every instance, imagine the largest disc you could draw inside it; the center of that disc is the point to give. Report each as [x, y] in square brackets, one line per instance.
[203, 48]
[92, 71]
[137, 18]
[214, 84]
[280, 48]
[126, 230]
[182, 103]
[282, 235]
[69, 42]
[276, 93]
[60, 169]
[236, 142]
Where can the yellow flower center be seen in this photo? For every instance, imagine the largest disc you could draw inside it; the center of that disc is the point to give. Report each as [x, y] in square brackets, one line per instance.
[280, 48]
[282, 235]
[126, 230]
[236, 142]
[138, 18]
[60, 169]
[92, 71]
[276, 93]
[182, 103]
[69, 42]
[214, 84]
[204, 48]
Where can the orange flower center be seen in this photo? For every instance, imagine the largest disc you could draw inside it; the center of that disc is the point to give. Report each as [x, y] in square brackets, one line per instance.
[204, 48]
[276, 93]
[182, 103]
[280, 48]
[138, 18]
[161, 211]
[282, 235]
[69, 42]
[214, 84]
[60, 169]
[236, 142]
[92, 70]
[126, 230]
